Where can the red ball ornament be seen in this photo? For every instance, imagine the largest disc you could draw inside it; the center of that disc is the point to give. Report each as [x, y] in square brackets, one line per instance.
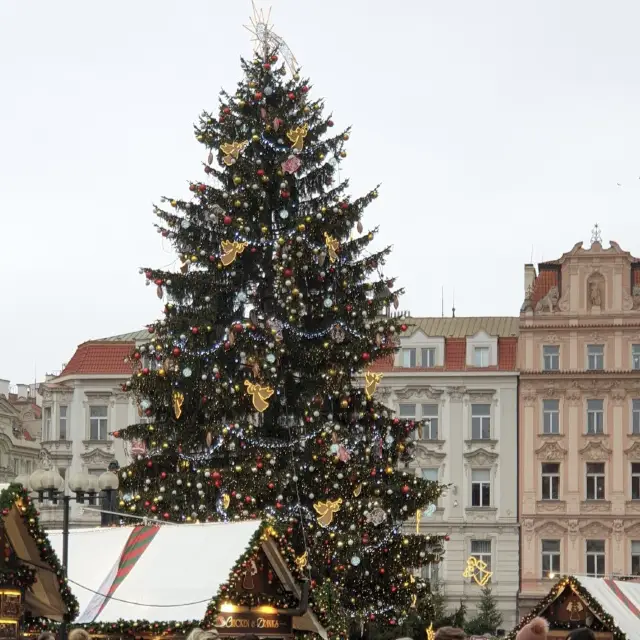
[147, 503]
[149, 464]
[237, 327]
[163, 475]
[266, 66]
[227, 220]
[291, 95]
[447, 538]
[216, 475]
[151, 329]
[284, 194]
[274, 58]
[271, 485]
[148, 412]
[349, 308]
[258, 95]
[305, 89]
[154, 508]
[372, 616]
[373, 473]
[406, 489]
[403, 327]
[148, 274]
[259, 465]
[288, 272]
[165, 515]
[366, 357]
[260, 172]
[194, 330]
[247, 499]
[226, 110]
[158, 281]
[381, 571]
[145, 371]
[192, 187]
[330, 123]
[202, 188]
[176, 351]
[116, 434]
[137, 356]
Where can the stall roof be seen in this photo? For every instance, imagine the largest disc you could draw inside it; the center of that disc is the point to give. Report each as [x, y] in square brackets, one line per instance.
[167, 572]
[620, 599]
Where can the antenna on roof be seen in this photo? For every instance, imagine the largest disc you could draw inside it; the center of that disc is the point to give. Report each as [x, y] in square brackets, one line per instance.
[531, 261]
[442, 298]
[453, 304]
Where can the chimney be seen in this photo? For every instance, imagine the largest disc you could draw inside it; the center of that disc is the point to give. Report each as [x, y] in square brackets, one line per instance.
[4, 388]
[529, 278]
[24, 391]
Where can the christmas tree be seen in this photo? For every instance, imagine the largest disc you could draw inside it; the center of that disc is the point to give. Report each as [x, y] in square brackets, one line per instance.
[254, 388]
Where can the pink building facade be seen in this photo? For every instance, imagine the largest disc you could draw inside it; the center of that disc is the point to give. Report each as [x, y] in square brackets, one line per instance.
[579, 418]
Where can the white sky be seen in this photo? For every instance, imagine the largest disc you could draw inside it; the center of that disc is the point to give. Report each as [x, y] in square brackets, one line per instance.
[497, 128]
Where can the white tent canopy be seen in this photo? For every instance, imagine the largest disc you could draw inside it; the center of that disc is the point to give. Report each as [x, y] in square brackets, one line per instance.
[181, 569]
[619, 599]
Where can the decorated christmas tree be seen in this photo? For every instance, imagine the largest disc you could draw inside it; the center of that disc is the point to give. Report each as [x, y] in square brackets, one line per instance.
[255, 388]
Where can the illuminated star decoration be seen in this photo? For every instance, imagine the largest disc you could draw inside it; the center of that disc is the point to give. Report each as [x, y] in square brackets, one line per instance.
[266, 42]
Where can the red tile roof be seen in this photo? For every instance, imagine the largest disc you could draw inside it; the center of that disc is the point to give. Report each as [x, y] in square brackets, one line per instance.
[455, 354]
[507, 354]
[99, 358]
[546, 279]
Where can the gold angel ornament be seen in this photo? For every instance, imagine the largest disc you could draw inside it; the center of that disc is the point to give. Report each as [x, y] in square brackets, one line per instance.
[302, 561]
[178, 401]
[371, 382]
[232, 151]
[333, 246]
[297, 136]
[478, 571]
[326, 511]
[259, 395]
[230, 251]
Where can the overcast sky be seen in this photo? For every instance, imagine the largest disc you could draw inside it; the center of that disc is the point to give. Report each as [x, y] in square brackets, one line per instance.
[500, 131]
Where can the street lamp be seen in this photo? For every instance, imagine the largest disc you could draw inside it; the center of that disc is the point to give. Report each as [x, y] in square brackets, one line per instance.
[49, 485]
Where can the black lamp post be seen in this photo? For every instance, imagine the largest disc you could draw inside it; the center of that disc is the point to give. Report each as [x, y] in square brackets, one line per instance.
[49, 485]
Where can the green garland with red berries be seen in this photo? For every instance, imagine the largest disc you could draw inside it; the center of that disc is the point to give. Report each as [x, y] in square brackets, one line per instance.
[16, 495]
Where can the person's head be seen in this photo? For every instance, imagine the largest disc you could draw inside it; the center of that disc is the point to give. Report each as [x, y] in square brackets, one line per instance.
[201, 634]
[450, 633]
[79, 634]
[582, 634]
[46, 635]
[537, 629]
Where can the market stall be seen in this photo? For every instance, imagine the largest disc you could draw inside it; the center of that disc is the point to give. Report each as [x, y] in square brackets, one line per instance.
[610, 608]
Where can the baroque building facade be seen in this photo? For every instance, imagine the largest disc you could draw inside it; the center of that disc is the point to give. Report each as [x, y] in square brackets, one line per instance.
[458, 378]
[579, 422]
[82, 406]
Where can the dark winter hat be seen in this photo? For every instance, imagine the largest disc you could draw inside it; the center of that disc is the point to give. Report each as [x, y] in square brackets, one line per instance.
[450, 633]
[537, 629]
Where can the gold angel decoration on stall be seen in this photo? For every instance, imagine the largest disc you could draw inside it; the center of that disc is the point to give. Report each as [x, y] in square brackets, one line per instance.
[326, 511]
[302, 561]
[371, 382]
[333, 246]
[230, 251]
[259, 395]
[232, 151]
[178, 401]
[477, 570]
[431, 634]
[297, 136]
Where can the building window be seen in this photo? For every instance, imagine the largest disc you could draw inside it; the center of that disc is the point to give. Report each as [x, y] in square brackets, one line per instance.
[407, 410]
[481, 356]
[550, 558]
[97, 423]
[635, 357]
[16, 466]
[480, 488]
[550, 481]
[430, 420]
[409, 358]
[480, 421]
[430, 474]
[595, 480]
[481, 551]
[595, 357]
[428, 357]
[595, 558]
[429, 572]
[635, 480]
[551, 416]
[635, 416]
[595, 416]
[635, 557]
[551, 357]
[46, 426]
[63, 423]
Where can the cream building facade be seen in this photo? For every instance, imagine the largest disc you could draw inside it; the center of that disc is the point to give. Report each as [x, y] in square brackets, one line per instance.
[579, 476]
[458, 377]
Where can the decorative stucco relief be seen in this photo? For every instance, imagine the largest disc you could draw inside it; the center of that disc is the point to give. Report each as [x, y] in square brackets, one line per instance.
[595, 450]
[428, 457]
[481, 458]
[595, 530]
[551, 451]
[419, 393]
[633, 452]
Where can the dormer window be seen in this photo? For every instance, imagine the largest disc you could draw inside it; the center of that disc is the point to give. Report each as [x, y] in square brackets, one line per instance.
[428, 357]
[419, 351]
[481, 356]
[409, 358]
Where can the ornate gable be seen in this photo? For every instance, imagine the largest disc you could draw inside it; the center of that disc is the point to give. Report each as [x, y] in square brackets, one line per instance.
[480, 458]
[422, 392]
[633, 452]
[428, 457]
[596, 530]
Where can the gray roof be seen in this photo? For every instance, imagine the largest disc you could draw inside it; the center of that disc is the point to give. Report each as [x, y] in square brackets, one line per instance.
[134, 336]
[501, 327]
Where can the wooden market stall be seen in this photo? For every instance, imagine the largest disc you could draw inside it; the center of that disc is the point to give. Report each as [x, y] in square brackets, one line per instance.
[32, 584]
[610, 608]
